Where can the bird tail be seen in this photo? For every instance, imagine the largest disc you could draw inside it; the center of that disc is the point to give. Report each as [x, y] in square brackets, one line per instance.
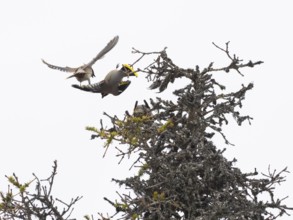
[96, 88]
[87, 88]
[77, 86]
[73, 75]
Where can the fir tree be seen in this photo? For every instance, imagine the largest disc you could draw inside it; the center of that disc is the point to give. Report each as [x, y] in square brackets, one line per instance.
[182, 174]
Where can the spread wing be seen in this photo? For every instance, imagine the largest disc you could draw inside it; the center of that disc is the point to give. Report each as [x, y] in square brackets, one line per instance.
[64, 69]
[122, 86]
[95, 88]
[106, 49]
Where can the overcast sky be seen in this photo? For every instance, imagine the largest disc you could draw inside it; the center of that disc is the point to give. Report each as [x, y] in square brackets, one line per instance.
[42, 118]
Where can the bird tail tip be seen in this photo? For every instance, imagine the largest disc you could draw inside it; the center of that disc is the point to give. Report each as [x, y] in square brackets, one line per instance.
[75, 86]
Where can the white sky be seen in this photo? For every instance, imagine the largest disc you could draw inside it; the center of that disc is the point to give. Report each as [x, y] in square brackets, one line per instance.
[42, 118]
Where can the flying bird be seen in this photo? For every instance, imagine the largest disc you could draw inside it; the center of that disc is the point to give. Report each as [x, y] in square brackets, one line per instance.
[112, 83]
[85, 72]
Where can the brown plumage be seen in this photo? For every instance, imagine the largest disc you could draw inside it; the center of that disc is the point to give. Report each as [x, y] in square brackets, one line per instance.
[85, 72]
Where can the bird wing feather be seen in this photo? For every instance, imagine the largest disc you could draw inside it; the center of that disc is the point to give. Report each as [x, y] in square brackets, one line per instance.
[64, 69]
[106, 49]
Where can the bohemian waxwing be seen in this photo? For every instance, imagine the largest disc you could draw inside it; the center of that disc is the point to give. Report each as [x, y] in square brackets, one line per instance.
[112, 83]
[85, 72]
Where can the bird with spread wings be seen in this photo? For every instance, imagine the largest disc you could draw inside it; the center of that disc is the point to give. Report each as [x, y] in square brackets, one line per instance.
[85, 72]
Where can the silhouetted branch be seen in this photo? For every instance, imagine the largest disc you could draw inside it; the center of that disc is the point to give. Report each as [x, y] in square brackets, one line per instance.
[38, 205]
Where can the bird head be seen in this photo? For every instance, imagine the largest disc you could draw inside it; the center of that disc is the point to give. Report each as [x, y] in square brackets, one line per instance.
[142, 110]
[129, 71]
